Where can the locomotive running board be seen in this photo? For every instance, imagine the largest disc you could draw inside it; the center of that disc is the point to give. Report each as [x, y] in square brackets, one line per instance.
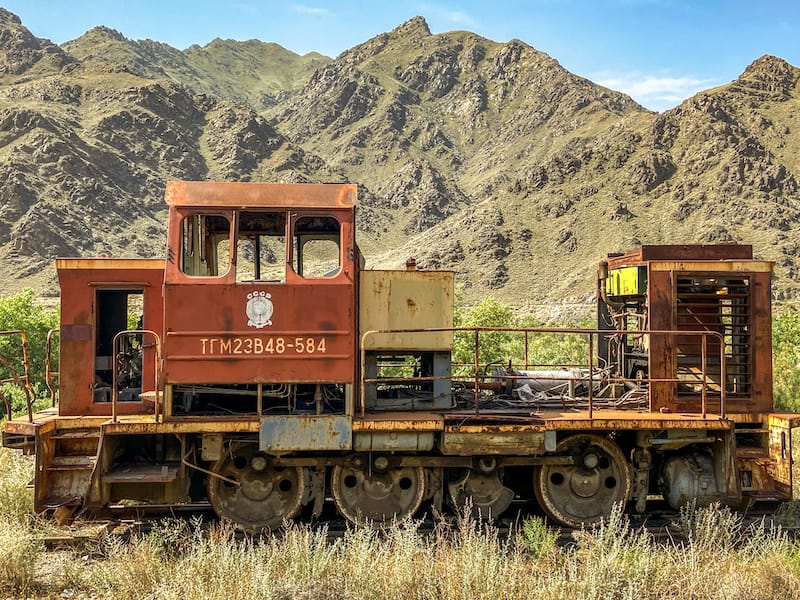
[288, 433]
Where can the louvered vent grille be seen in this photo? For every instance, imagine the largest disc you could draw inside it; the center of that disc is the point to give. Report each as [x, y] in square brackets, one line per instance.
[723, 306]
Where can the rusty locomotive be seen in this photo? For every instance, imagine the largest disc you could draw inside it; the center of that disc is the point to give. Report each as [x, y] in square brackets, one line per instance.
[261, 371]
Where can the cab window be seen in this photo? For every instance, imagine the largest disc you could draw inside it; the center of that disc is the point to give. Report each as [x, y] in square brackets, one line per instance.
[261, 247]
[317, 247]
[205, 245]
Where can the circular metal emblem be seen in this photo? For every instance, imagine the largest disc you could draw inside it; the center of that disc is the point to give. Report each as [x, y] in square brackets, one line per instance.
[259, 309]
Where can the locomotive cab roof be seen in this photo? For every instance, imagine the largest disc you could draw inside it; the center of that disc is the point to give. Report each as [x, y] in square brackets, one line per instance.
[239, 195]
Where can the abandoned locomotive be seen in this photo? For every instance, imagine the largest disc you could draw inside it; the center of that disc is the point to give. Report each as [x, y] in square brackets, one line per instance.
[261, 371]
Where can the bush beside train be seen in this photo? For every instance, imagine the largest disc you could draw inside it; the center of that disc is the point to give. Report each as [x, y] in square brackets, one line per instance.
[269, 375]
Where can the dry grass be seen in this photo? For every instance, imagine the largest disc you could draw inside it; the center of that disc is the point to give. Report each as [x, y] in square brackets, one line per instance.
[20, 546]
[716, 557]
[720, 559]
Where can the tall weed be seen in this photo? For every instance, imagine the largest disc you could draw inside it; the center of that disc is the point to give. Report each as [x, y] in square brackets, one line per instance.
[19, 551]
[16, 471]
[465, 559]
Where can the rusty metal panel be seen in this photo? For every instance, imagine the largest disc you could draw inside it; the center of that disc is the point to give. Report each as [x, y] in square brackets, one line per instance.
[720, 266]
[680, 252]
[761, 335]
[514, 443]
[418, 421]
[406, 300]
[756, 477]
[260, 195]
[79, 280]
[76, 333]
[610, 420]
[103, 264]
[20, 428]
[780, 451]
[725, 468]
[696, 252]
[309, 337]
[319, 432]
[784, 419]
[496, 428]
[384, 441]
[661, 351]
[129, 425]
[212, 446]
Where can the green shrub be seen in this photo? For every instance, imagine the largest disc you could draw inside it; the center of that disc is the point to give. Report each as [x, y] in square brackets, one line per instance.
[21, 313]
[538, 537]
[543, 349]
[494, 346]
[786, 360]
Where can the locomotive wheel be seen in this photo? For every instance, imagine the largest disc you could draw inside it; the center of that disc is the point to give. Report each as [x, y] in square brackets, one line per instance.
[585, 492]
[484, 492]
[378, 497]
[254, 494]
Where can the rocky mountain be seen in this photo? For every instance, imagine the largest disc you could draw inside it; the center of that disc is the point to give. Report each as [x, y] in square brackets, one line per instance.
[483, 157]
[252, 72]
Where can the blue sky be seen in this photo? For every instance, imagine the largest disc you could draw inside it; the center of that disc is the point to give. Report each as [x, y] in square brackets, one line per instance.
[658, 51]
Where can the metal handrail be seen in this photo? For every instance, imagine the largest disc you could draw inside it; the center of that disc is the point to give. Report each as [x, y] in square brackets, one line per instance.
[704, 335]
[48, 367]
[114, 370]
[23, 381]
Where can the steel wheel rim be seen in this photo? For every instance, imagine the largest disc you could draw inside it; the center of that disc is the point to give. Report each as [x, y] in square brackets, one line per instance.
[261, 498]
[486, 494]
[576, 495]
[378, 498]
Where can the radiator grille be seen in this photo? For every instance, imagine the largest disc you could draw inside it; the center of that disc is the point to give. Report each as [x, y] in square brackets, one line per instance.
[720, 305]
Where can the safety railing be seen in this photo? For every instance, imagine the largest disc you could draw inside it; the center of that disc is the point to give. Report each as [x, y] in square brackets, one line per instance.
[50, 374]
[116, 366]
[12, 375]
[591, 370]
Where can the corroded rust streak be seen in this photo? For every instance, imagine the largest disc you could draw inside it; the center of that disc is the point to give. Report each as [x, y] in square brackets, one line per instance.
[194, 426]
[494, 442]
[423, 424]
[515, 428]
[754, 266]
[685, 252]
[644, 422]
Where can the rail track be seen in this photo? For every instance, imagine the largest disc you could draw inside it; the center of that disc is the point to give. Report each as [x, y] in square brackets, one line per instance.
[662, 524]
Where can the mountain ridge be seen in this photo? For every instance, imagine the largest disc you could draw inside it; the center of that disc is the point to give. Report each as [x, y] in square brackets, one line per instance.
[488, 158]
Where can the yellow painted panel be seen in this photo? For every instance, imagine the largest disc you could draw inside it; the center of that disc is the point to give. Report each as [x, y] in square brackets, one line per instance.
[401, 300]
[627, 281]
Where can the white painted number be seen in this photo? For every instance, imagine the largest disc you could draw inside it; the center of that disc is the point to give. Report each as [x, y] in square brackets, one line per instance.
[258, 345]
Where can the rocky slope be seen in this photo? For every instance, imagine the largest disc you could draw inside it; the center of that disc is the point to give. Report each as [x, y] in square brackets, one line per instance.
[483, 157]
[253, 72]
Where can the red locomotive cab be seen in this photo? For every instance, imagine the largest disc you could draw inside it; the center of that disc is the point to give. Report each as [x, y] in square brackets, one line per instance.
[260, 300]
